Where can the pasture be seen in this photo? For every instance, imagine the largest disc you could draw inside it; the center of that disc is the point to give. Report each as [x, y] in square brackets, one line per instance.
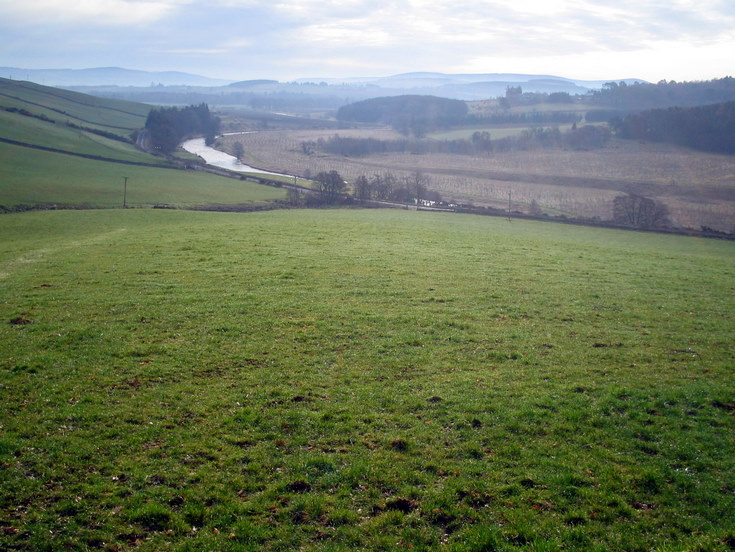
[116, 116]
[362, 380]
[31, 177]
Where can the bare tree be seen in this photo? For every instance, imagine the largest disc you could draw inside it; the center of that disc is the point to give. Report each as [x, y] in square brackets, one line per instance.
[294, 197]
[641, 212]
[382, 185]
[416, 184]
[362, 187]
[330, 185]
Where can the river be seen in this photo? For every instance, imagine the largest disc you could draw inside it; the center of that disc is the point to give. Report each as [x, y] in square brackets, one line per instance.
[221, 159]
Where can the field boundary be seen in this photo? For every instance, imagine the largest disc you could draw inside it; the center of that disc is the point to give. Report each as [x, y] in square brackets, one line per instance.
[47, 92]
[62, 112]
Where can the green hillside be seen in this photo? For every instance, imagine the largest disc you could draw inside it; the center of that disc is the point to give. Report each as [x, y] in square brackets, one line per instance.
[30, 177]
[70, 122]
[68, 149]
[334, 380]
[116, 116]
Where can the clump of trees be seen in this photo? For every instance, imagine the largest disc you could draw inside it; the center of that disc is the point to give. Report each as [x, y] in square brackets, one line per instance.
[410, 114]
[706, 128]
[168, 126]
[640, 212]
[413, 188]
[330, 186]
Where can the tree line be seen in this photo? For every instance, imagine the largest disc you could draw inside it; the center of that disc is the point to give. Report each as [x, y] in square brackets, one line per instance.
[706, 128]
[331, 188]
[640, 96]
[168, 126]
[630, 209]
[481, 142]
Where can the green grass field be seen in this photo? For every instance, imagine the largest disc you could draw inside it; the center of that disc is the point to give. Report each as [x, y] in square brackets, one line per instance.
[40, 133]
[362, 380]
[33, 177]
[117, 116]
[60, 107]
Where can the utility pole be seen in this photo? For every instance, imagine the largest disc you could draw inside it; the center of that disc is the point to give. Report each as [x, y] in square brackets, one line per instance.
[509, 196]
[125, 193]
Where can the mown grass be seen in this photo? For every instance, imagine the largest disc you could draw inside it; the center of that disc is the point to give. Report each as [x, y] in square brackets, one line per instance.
[33, 177]
[362, 380]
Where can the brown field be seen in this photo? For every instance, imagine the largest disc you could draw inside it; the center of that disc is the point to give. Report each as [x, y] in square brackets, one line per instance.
[699, 188]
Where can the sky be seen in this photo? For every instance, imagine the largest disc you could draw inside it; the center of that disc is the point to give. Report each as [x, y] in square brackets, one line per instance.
[289, 39]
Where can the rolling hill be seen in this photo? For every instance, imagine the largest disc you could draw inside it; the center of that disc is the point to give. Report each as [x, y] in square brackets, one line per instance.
[64, 148]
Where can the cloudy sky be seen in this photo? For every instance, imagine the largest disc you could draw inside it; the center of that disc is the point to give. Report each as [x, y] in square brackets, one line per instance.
[288, 39]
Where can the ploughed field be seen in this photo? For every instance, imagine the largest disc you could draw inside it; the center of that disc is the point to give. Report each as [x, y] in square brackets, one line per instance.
[697, 187]
[362, 380]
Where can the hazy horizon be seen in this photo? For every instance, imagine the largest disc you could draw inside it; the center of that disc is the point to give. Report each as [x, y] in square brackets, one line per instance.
[287, 40]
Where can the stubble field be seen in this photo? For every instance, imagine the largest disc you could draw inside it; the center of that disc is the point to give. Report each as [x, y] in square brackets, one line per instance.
[699, 188]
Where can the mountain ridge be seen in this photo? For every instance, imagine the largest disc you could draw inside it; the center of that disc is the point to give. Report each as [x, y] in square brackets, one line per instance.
[420, 80]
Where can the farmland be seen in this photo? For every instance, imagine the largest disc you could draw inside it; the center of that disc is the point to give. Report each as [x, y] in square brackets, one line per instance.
[92, 155]
[31, 177]
[362, 380]
[697, 187]
[349, 379]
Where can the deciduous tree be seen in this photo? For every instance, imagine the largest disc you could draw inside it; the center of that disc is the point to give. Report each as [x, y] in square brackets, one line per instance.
[640, 212]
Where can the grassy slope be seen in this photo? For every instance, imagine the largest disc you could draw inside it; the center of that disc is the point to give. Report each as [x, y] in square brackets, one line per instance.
[342, 380]
[120, 118]
[115, 116]
[31, 177]
[34, 131]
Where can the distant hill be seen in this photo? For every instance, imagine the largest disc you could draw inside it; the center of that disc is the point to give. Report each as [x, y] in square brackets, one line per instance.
[463, 86]
[468, 86]
[252, 83]
[102, 76]
[319, 94]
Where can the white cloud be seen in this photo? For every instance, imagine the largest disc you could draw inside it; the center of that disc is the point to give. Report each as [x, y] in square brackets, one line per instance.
[350, 37]
[95, 12]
